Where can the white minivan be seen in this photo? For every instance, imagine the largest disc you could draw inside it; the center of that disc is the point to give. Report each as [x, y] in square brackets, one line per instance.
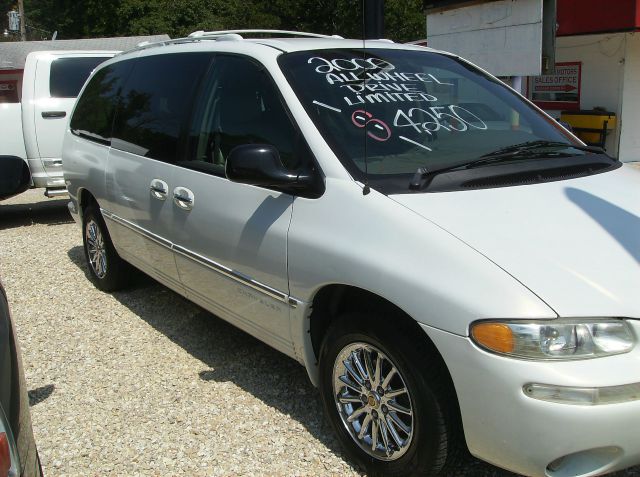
[455, 270]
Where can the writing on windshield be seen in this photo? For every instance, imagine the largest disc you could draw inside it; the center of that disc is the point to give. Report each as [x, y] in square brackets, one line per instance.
[392, 111]
[373, 80]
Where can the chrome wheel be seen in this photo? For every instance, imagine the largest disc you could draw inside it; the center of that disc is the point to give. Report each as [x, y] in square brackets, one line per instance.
[373, 401]
[96, 250]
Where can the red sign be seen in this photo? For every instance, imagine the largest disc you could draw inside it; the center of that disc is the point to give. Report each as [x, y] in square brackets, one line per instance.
[560, 90]
[580, 17]
[563, 87]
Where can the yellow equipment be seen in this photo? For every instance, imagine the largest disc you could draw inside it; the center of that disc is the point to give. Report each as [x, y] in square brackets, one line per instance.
[590, 126]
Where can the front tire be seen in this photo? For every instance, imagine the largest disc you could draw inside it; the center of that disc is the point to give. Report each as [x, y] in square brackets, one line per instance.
[107, 270]
[388, 397]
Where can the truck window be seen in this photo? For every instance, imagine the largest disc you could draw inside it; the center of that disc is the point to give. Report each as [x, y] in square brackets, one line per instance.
[67, 75]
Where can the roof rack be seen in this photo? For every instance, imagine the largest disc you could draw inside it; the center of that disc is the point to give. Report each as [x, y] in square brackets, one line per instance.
[147, 44]
[223, 35]
[243, 33]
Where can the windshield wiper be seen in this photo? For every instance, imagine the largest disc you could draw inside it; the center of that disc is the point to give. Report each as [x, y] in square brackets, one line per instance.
[530, 150]
[532, 145]
[423, 175]
[525, 150]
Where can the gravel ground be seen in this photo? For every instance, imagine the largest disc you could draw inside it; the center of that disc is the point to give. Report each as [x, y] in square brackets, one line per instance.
[143, 382]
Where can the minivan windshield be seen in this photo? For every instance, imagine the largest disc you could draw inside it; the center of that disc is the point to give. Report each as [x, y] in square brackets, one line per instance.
[405, 110]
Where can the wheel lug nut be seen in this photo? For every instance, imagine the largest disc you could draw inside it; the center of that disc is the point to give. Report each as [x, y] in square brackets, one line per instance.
[367, 385]
[363, 398]
[374, 413]
[380, 391]
[385, 409]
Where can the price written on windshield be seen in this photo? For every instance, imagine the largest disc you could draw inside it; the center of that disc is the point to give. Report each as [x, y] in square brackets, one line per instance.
[457, 119]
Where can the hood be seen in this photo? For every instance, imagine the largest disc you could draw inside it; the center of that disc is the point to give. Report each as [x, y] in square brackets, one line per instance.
[574, 243]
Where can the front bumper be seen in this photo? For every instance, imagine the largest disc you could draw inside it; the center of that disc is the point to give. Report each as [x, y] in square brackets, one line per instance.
[511, 430]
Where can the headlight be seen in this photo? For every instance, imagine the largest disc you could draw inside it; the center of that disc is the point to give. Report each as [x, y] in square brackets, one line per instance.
[554, 339]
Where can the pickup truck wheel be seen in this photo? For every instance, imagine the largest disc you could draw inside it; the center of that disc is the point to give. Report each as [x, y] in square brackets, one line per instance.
[107, 270]
[386, 397]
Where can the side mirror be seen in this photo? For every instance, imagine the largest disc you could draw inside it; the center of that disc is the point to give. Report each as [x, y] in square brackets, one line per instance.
[260, 165]
[15, 177]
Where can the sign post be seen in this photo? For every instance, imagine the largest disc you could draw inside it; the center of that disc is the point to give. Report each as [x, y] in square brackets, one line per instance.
[14, 21]
[23, 27]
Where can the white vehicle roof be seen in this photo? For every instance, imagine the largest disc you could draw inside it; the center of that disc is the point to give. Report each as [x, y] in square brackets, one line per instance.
[68, 53]
[298, 41]
[300, 44]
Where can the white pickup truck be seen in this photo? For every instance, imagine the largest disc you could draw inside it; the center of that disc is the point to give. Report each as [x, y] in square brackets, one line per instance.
[33, 128]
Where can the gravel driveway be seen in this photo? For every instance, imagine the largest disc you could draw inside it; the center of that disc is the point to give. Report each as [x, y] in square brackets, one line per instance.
[143, 382]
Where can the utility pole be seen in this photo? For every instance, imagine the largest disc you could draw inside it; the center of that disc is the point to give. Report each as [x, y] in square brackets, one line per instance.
[23, 28]
[373, 19]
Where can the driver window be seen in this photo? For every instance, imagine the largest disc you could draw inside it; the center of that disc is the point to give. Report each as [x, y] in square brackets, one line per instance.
[241, 105]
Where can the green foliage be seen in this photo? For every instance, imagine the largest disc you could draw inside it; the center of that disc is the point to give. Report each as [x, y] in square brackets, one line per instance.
[7, 5]
[405, 19]
[72, 19]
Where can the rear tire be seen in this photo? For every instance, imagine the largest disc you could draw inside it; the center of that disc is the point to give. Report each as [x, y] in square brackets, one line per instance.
[107, 270]
[426, 437]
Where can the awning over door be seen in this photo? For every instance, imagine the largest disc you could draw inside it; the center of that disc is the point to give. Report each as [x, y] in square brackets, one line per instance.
[580, 17]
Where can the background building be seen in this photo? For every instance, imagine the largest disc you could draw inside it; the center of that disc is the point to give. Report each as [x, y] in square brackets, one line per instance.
[596, 45]
[603, 38]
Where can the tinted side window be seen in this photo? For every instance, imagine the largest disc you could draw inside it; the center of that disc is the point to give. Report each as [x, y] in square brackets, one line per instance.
[93, 115]
[155, 104]
[67, 75]
[241, 105]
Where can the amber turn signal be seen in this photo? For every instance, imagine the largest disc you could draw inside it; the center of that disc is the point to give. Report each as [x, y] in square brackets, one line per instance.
[494, 336]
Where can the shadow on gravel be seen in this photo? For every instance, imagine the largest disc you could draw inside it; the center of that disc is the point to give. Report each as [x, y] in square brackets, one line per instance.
[76, 255]
[37, 395]
[232, 355]
[228, 353]
[48, 212]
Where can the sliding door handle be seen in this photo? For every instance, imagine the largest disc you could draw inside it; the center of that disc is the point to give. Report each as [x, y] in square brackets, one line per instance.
[159, 189]
[183, 198]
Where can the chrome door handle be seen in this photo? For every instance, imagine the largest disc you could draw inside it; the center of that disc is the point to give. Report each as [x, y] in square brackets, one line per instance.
[183, 198]
[159, 189]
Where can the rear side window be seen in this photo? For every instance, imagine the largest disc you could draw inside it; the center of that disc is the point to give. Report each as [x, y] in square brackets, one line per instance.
[155, 104]
[67, 75]
[93, 115]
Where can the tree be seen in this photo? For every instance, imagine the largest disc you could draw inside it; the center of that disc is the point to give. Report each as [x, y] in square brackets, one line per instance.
[405, 19]
[71, 19]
